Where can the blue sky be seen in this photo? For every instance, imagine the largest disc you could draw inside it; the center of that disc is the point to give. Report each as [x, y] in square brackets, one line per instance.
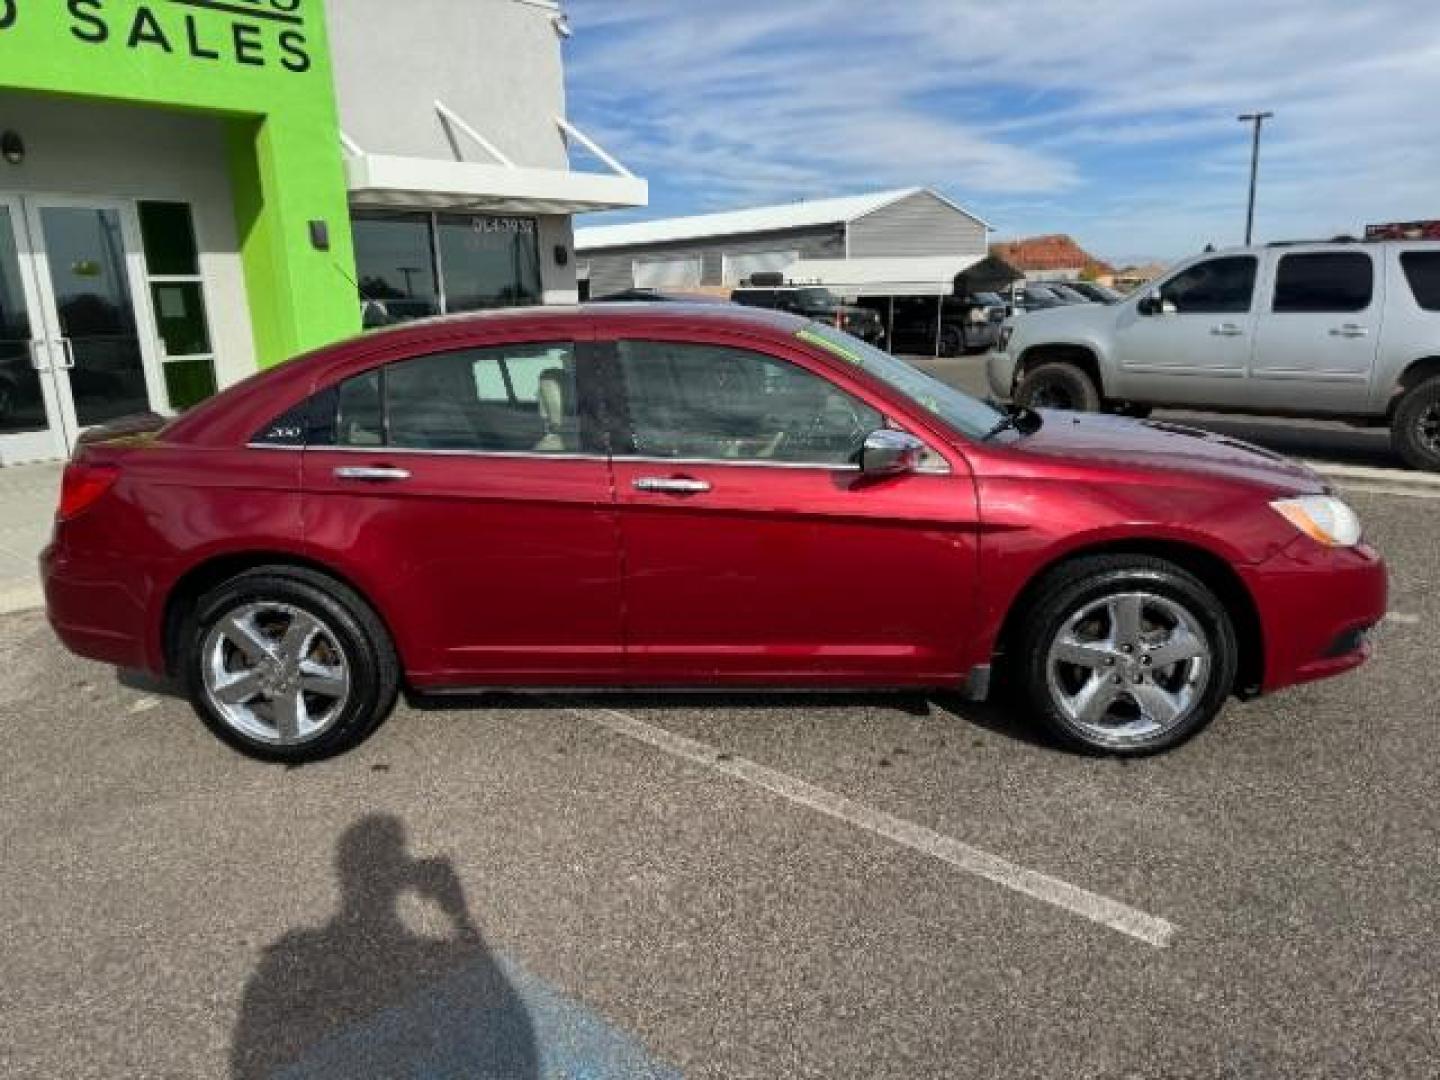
[1113, 121]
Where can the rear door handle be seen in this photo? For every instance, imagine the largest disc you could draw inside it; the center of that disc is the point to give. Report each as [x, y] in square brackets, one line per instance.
[1350, 329]
[673, 485]
[1226, 329]
[371, 472]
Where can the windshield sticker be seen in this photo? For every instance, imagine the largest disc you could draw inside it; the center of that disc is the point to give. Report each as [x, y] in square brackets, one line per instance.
[831, 347]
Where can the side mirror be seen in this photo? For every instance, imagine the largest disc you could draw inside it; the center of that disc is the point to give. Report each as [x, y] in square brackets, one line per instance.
[888, 452]
[1154, 304]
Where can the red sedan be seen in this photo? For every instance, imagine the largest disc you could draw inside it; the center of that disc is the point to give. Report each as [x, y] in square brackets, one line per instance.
[689, 496]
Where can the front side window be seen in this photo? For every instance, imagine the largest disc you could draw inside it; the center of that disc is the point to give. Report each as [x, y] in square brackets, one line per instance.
[716, 403]
[1324, 281]
[1223, 286]
[506, 399]
[1422, 271]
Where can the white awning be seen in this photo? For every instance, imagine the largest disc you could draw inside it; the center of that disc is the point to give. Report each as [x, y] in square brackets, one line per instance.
[424, 183]
[384, 180]
[929, 275]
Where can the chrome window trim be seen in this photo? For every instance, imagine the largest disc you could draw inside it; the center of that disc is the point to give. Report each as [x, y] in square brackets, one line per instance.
[527, 455]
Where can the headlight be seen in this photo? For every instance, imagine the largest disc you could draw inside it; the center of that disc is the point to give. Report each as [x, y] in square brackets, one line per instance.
[1323, 518]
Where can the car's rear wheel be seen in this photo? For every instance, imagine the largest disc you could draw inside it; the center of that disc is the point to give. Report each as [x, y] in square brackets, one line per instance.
[286, 664]
[1125, 655]
[1057, 385]
[1415, 428]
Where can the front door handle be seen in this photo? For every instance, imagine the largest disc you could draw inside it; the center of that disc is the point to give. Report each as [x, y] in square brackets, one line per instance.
[371, 472]
[673, 485]
[67, 354]
[1226, 329]
[1350, 329]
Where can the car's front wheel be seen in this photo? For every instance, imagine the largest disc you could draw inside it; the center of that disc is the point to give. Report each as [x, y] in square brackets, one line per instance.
[1057, 385]
[286, 664]
[1125, 655]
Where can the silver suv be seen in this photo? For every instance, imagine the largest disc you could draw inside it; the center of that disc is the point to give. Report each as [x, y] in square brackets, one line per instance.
[1344, 330]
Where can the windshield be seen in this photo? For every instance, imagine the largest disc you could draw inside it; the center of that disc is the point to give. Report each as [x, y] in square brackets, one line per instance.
[960, 411]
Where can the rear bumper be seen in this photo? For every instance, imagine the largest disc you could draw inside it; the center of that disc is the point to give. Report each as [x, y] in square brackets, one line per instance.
[98, 607]
[1316, 608]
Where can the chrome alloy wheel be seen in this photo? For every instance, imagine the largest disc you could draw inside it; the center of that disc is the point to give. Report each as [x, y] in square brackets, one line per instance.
[1128, 667]
[275, 673]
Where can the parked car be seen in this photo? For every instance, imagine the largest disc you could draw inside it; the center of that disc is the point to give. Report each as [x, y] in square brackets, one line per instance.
[965, 323]
[1329, 330]
[814, 302]
[668, 495]
[1039, 298]
[1095, 292]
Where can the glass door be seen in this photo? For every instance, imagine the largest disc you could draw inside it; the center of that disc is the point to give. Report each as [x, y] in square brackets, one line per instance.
[31, 416]
[98, 336]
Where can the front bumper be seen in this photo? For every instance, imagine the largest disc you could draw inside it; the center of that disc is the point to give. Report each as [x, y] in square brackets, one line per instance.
[1000, 373]
[1317, 606]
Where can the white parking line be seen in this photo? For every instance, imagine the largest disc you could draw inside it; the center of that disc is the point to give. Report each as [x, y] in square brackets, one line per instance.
[1088, 905]
[1402, 619]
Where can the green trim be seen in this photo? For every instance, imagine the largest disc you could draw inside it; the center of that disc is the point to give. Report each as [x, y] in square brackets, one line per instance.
[268, 77]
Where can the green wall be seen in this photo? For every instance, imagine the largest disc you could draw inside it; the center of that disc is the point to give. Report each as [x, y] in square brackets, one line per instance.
[262, 65]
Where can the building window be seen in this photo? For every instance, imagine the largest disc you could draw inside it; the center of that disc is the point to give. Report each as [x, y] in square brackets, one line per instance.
[412, 265]
[177, 292]
[395, 259]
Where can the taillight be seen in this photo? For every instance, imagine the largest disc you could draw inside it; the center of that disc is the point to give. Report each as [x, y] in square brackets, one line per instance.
[82, 485]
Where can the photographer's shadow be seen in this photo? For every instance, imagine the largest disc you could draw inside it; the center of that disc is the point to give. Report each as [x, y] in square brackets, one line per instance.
[364, 995]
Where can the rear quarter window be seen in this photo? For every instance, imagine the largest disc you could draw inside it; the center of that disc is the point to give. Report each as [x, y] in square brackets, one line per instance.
[1422, 271]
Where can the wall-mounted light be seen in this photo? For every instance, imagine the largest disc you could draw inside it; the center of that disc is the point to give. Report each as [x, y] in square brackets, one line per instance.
[562, 25]
[12, 147]
[562, 255]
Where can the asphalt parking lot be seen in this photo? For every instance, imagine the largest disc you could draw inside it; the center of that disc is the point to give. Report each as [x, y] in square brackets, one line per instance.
[737, 887]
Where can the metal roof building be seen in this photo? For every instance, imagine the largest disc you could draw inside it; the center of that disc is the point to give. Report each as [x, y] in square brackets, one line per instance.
[904, 242]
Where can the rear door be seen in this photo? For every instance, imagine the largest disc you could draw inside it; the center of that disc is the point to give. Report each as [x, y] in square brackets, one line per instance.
[1197, 349]
[468, 490]
[1316, 341]
[755, 551]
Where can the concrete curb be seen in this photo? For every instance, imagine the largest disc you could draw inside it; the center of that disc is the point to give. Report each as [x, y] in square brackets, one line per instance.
[1385, 481]
[20, 596]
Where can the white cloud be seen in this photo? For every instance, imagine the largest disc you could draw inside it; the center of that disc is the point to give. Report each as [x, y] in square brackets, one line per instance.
[1111, 120]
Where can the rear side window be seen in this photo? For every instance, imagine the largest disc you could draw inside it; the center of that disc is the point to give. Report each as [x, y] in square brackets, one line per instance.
[1422, 271]
[1324, 281]
[1223, 286]
[508, 399]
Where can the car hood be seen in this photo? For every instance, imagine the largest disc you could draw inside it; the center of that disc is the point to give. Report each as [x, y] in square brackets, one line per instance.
[1069, 316]
[1091, 438]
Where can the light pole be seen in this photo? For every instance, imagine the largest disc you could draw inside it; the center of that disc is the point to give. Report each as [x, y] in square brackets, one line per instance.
[1257, 119]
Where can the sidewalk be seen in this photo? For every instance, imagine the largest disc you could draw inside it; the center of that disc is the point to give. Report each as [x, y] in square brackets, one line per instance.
[28, 496]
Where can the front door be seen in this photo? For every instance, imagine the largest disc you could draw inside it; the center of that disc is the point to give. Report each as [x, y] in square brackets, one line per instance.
[1196, 349]
[72, 316]
[755, 551]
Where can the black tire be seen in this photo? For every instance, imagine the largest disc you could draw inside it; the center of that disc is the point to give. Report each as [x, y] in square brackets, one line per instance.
[357, 632]
[952, 341]
[1075, 586]
[1058, 385]
[1415, 427]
